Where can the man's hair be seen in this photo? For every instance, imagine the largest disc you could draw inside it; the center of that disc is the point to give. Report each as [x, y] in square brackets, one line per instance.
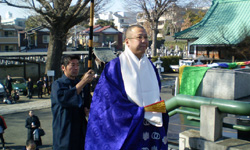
[30, 142]
[67, 58]
[130, 29]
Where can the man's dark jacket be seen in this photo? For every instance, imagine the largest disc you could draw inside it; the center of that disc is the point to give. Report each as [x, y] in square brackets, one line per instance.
[69, 122]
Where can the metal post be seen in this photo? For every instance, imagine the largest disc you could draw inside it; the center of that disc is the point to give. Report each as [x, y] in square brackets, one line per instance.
[91, 34]
[91, 24]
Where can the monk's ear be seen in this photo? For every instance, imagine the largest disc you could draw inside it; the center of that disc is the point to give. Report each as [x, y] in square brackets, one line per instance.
[127, 42]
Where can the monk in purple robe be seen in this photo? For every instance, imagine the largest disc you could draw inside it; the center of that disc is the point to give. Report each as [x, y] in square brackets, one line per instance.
[127, 84]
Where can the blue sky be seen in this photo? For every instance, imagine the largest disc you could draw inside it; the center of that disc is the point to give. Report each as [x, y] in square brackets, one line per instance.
[17, 13]
[23, 13]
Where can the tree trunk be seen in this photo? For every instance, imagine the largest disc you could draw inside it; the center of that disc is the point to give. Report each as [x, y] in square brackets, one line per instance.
[154, 39]
[57, 45]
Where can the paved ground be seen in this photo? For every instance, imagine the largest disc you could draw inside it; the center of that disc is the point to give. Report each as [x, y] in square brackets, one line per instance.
[16, 114]
[24, 104]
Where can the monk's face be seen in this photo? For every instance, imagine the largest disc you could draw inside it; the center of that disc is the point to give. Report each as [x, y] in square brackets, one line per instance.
[137, 41]
[72, 69]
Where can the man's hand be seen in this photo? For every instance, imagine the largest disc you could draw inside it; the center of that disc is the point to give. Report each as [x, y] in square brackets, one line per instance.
[88, 76]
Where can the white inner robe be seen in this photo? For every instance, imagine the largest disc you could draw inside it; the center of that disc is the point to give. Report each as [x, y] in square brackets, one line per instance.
[141, 84]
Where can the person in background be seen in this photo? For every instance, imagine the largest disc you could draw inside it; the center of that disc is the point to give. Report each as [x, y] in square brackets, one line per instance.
[9, 100]
[69, 106]
[15, 95]
[8, 85]
[32, 123]
[3, 126]
[45, 86]
[40, 88]
[30, 88]
[128, 83]
[49, 87]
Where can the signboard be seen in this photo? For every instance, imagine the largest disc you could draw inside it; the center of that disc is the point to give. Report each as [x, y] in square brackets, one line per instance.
[51, 73]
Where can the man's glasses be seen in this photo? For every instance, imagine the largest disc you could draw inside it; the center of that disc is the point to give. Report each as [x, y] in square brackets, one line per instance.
[140, 38]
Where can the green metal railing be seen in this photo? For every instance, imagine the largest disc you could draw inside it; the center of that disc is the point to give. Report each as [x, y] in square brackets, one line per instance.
[224, 106]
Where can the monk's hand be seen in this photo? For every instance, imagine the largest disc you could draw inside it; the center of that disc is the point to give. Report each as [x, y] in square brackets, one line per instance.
[89, 76]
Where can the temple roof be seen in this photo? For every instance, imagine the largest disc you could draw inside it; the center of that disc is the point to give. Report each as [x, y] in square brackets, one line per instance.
[225, 23]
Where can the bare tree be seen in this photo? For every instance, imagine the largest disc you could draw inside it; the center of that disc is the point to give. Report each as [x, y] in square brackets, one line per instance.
[152, 10]
[59, 16]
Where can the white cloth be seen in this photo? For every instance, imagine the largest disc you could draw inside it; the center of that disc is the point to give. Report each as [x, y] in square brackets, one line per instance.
[36, 135]
[141, 84]
[213, 65]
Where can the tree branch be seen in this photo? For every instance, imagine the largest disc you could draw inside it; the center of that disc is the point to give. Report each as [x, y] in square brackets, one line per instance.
[17, 6]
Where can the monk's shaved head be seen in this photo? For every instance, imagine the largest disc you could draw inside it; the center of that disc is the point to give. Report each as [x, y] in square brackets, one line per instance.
[130, 28]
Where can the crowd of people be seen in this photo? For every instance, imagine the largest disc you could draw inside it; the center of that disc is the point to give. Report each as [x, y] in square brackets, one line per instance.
[11, 96]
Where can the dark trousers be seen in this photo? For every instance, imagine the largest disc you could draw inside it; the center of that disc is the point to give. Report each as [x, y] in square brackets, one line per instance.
[30, 93]
[45, 90]
[40, 92]
[2, 139]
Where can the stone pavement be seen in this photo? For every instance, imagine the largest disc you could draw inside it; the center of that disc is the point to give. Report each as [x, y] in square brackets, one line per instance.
[24, 104]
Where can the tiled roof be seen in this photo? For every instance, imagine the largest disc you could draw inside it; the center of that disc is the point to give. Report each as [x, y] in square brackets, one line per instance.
[226, 22]
[104, 54]
[86, 30]
[99, 28]
[103, 28]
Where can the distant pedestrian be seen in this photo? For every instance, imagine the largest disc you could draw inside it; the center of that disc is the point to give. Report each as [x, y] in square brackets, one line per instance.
[3, 126]
[49, 87]
[15, 95]
[32, 123]
[30, 88]
[26, 43]
[40, 87]
[8, 85]
[45, 86]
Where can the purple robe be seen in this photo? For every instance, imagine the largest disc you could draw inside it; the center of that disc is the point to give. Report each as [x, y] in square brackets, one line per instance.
[117, 123]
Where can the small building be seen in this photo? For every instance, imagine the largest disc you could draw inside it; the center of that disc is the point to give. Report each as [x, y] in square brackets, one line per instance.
[121, 19]
[9, 37]
[10, 20]
[34, 38]
[225, 25]
[106, 36]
